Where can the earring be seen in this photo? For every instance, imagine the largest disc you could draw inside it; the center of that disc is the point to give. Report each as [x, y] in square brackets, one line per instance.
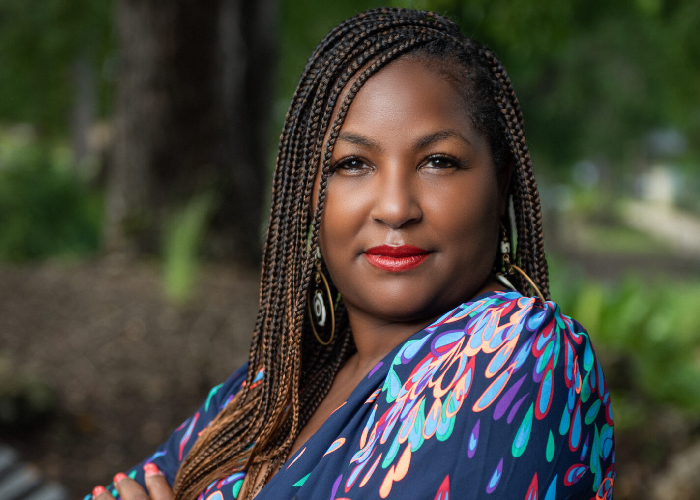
[510, 268]
[319, 303]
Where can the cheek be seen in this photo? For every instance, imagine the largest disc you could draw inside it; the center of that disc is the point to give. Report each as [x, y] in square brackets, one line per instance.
[468, 217]
[471, 202]
[346, 201]
[345, 229]
[344, 214]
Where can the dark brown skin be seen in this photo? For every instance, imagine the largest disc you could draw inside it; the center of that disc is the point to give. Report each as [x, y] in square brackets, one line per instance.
[411, 170]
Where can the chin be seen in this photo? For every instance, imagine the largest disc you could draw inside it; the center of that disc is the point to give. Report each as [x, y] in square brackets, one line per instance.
[406, 308]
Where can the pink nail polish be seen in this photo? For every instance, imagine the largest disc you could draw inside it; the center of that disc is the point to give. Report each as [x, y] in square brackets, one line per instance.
[98, 490]
[119, 477]
[151, 469]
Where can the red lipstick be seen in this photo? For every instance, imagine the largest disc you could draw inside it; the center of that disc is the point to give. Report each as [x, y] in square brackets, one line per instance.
[396, 259]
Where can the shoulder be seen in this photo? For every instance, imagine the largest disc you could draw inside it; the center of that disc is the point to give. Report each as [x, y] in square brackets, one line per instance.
[523, 334]
[541, 379]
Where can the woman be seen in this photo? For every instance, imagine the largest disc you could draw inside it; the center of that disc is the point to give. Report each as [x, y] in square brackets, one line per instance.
[389, 360]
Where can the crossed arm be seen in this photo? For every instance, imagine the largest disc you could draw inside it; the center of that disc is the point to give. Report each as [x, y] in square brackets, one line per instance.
[128, 489]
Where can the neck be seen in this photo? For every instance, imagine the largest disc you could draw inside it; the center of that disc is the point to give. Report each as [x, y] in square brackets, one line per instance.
[376, 337]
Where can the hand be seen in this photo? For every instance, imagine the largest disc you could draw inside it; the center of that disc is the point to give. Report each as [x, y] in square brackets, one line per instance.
[128, 489]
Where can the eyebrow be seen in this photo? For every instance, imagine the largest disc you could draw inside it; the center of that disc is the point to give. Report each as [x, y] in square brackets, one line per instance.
[360, 140]
[440, 135]
[419, 144]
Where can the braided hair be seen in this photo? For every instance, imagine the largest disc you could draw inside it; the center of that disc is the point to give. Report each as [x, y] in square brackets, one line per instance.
[256, 431]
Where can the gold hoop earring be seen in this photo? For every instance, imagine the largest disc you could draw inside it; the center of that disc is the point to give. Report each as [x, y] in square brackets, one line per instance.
[510, 268]
[318, 310]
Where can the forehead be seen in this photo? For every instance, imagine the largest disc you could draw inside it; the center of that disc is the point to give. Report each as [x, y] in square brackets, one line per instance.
[411, 97]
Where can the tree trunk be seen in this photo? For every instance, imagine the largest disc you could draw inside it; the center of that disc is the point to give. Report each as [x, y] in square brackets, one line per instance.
[248, 63]
[191, 112]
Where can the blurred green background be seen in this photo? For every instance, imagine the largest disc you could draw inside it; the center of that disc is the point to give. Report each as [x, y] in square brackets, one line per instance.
[137, 141]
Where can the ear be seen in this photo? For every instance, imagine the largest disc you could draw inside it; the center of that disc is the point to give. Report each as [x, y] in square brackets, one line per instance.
[504, 177]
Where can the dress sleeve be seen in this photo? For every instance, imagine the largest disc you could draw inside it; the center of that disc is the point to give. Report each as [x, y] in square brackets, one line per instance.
[555, 441]
[170, 454]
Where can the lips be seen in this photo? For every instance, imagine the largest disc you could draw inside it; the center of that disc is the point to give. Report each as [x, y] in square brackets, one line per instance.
[396, 259]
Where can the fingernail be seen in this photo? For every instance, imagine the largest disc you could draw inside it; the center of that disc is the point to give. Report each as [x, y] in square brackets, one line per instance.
[119, 477]
[98, 490]
[151, 469]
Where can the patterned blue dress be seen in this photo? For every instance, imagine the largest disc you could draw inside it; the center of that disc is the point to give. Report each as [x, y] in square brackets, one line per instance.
[500, 398]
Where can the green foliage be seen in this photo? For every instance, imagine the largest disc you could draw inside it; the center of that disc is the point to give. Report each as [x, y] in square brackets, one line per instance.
[45, 210]
[183, 239]
[649, 334]
[39, 45]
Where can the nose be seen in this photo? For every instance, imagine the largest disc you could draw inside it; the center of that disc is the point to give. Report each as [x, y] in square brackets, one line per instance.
[396, 203]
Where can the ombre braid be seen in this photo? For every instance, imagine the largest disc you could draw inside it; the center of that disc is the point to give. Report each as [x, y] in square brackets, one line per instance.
[257, 429]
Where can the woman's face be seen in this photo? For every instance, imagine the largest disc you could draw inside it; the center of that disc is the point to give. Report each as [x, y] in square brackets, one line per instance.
[411, 218]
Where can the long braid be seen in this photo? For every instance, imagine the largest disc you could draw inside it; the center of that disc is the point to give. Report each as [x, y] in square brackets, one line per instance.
[530, 255]
[257, 429]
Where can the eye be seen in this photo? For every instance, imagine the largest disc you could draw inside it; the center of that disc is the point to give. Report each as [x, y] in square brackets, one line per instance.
[441, 162]
[350, 166]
